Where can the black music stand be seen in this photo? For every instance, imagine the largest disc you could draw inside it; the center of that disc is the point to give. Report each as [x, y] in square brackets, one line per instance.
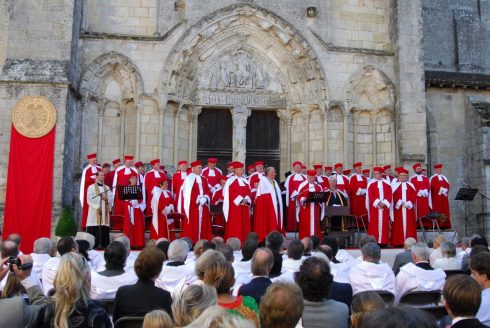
[466, 195]
[316, 197]
[129, 192]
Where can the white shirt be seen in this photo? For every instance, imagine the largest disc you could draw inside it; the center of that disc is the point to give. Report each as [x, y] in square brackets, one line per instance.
[38, 261]
[413, 278]
[49, 273]
[103, 288]
[447, 263]
[291, 265]
[343, 256]
[484, 312]
[371, 276]
[434, 255]
[462, 253]
[175, 278]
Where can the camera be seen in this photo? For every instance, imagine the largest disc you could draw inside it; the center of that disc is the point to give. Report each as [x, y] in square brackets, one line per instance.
[13, 260]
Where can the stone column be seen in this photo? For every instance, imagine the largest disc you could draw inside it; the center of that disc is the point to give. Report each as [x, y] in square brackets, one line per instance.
[240, 116]
[345, 117]
[100, 130]
[306, 118]
[325, 134]
[355, 127]
[375, 142]
[285, 138]
[137, 154]
[177, 113]
[194, 112]
[161, 113]
[122, 131]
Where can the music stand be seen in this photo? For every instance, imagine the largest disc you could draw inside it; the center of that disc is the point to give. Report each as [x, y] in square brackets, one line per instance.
[129, 192]
[466, 194]
[316, 197]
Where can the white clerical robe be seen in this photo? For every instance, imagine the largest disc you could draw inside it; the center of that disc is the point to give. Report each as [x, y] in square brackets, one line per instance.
[95, 203]
[372, 276]
[412, 278]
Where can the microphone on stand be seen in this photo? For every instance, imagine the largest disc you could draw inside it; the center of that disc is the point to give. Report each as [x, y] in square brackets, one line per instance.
[467, 185]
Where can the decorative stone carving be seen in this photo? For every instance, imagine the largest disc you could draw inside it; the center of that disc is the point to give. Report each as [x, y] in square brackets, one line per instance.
[34, 116]
[240, 116]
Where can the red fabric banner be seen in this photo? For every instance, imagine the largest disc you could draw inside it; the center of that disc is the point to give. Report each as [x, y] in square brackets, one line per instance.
[28, 203]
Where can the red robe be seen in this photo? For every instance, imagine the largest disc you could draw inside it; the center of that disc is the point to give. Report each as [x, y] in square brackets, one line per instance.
[439, 201]
[213, 176]
[109, 178]
[252, 180]
[88, 178]
[358, 190]
[216, 199]
[322, 181]
[177, 181]
[162, 204]
[237, 215]
[404, 219]
[134, 222]
[292, 183]
[152, 179]
[268, 209]
[422, 187]
[343, 183]
[379, 219]
[121, 178]
[309, 214]
[194, 203]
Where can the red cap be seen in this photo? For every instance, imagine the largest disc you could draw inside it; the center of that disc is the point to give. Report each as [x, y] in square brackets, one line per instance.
[328, 168]
[416, 165]
[317, 166]
[386, 167]
[138, 164]
[128, 157]
[182, 163]
[258, 163]
[438, 166]
[303, 167]
[133, 174]
[116, 161]
[212, 160]
[297, 163]
[162, 167]
[238, 165]
[402, 170]
[230, 164]
[346, 172]
[250, 167]
[311, 173]
[378, 169]
[424, 170]
[196, 163]
[105, 165]
[358, 164]
[338, 165]
[365, 171]
[398, 168]
[92, 156]
[155, 161]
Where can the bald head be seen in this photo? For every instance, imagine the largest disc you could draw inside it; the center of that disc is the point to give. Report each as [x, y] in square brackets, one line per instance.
[262, 262]
[9, 248]
[15, 237]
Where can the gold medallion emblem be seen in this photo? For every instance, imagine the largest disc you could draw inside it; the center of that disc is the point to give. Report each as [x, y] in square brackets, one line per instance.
[34, 116]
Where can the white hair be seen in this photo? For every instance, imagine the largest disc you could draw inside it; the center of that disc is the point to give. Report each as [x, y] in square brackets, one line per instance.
[234, 243]
[86, 236]
[322, 256]
[178, 251]
[332, 178]
[43, 245]
[125, 241]
[409, 242]
[421, 251]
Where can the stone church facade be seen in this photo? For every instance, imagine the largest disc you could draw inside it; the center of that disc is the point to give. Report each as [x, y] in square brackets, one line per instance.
[377, 81]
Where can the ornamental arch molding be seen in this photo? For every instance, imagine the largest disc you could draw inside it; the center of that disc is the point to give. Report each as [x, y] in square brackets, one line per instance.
[243, 55]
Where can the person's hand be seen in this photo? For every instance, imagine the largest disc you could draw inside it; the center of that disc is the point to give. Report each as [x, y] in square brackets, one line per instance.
[22, 274]
[4, 269]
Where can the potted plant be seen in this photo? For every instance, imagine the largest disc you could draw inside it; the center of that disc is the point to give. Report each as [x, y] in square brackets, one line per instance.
[67, 226]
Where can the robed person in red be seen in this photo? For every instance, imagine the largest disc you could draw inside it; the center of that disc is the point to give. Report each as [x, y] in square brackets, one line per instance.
[387, 174]
[378, 203]
[291, 184]
[439, 191]
[153, 178]
[321, 179]
[404, 219]
[88, 179]
[213, 174]
[422, 187]
[268, 212]
[134, 219]
[121, 178]
[237, 199]
[230, 169]
[194, 204]
[309, 214]
[250, 170]
[162, 204]
[328, 171]
[358, 190]
[141, 174]
[342, 180]
[109, 178]
[254, 178]
[178, 179]
[217, 217]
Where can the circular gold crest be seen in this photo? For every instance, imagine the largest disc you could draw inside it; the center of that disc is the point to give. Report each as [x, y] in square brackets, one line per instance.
[34, 116]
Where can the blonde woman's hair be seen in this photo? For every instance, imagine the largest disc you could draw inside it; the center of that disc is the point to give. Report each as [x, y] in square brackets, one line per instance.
[204, 260]
[192, 302]
[157, 319]
[220, 274]
[217, 317]
[71, 284]
[364, 303]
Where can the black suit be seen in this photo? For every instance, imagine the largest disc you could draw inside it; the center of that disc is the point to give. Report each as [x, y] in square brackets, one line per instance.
[469, 323]
[255, 288]
[140, 298]
[341, 292]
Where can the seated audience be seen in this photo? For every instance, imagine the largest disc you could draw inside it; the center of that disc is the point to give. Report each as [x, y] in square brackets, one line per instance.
[131, 255]
[436, 251]
[404, 257]
[198, 248]
[248, 250]
[202, 263]
[193, 301]
[370, 274]
[462, 299]
[42, 247]
[163, 246]
[308, 244]
[465, 249]
[399, 317]
[262, 262]
[216, 317]
[235, 245]
[96, 259]
[227, 251]
[315, 281]
[480, 271]
[274, 241]
[477, 241]
[220, 275]
[83, 247]
[315, 242]
[418, 275]
[70, 304]
[295, 256]
[157, 319]
[363, 304]
[176, 275]
[449, 260]
[106, 283]
[142, 297]
[281, 306]
[65, 245]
